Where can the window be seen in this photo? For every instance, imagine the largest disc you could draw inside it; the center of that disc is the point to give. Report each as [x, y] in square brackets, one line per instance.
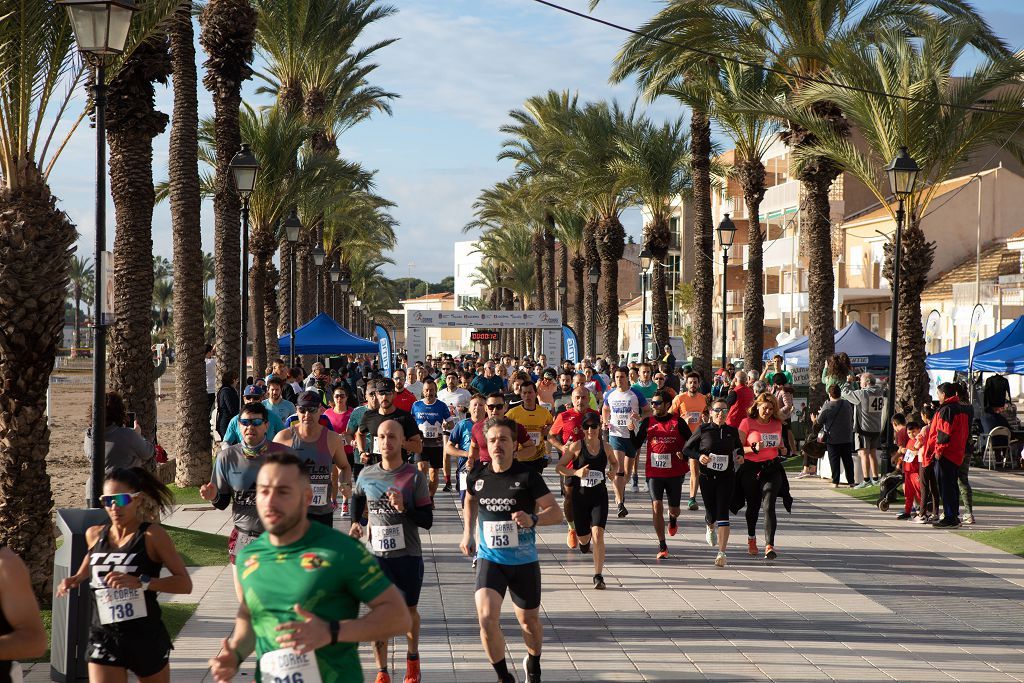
[874, 322]
[853, 317]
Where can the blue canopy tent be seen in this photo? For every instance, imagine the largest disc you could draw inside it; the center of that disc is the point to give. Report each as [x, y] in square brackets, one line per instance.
[322, 336]
[992, 352]
[790, 346]
[865, 349]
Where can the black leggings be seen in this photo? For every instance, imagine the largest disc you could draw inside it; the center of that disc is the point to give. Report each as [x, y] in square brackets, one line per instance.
[716, 490]
[841, 452]
[929, 490]
[761, 492]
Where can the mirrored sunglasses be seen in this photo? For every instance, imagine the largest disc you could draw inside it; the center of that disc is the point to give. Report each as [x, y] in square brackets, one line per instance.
[119, 499]
[251, 422]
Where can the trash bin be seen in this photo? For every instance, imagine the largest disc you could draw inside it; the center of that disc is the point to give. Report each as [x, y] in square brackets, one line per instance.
[71, 614]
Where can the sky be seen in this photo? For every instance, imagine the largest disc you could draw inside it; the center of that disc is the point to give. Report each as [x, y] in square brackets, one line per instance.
[459, 66]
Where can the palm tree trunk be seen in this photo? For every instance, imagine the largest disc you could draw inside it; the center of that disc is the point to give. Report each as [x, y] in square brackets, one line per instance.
[703, 243]
[611, 241]
[563, 269]
[658, 238]
[582, 284]
[912, 387]
[591, 259]
[228, 30]
[133, 122]
[283, 295]
[35, 238]
[539, 275]
[78, 320]
[550, 288]
[192, 461]
[752, 180]
[270, 314]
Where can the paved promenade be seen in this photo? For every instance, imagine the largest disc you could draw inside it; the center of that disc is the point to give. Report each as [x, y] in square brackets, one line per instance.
[854, 595]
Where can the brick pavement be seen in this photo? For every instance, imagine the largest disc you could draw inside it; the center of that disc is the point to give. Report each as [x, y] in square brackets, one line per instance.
[855, 595]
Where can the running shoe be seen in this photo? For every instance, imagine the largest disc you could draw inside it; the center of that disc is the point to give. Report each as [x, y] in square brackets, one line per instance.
[447, 487]
[662, 553]
[344, 508]
[636, 486]
[571, 539]
[903, 515]
[720, 559]
[412, 671]
[673, 525]
[383, 677]
[709, 536]
[921, 519]
[530, 678]
[863, 485]
[968, 519]
[692, 504]
[622, 510]
[598, 582]
[752, 546]
[803, 475]
[769, 552]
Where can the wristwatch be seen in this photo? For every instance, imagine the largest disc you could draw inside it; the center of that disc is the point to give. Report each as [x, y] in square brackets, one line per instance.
[535, 519]
[145, 582]
[335, 627]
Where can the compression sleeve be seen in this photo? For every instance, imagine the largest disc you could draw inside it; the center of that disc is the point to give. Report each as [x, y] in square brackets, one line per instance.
[358, 506]
[641, 433]
[421, 515]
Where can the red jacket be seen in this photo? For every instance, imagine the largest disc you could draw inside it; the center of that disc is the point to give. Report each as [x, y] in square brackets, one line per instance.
[742, 398]
[949, 431]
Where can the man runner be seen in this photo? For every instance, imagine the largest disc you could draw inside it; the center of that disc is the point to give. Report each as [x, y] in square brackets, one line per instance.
[537, 421]
[459, 440]
[299, 588]
[666, 435]
[505, 501]
[403, 398]
[396, 496]
[431, 416]
[623, 409]
[457, 400]
[384, 389]
[478, 449]
[691, 405]
[252, 394]
[22, 635]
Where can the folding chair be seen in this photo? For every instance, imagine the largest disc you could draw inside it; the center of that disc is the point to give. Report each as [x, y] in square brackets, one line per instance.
[992, 451]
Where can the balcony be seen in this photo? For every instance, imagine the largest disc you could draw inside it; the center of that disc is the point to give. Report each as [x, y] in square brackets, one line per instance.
[778, 253]
[780, 198]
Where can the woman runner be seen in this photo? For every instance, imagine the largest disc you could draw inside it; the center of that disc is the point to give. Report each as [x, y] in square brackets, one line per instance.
[339, 414]
[761, 476]
[715, 446]
[590, 458]
[123, 568]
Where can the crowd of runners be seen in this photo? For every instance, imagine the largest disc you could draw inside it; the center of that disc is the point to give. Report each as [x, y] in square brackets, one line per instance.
[330, 478]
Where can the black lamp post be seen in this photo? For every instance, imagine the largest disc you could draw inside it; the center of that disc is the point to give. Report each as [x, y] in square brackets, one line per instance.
[902, 172]
[319, 256]
[244, 168]
[645, 264]
[594, 276]
[357, 312]
[101, 29]
[292, 227]
[344, 284]
[335, 277]
[726, 235]
[562, 289]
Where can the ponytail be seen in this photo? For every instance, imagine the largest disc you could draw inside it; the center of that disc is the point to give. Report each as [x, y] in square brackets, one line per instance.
[144, 482]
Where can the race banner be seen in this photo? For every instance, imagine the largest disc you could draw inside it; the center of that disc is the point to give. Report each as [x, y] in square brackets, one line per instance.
[384, 343]
[572, 345]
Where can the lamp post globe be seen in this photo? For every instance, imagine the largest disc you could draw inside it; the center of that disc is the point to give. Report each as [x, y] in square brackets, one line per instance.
[244, 169]
[292, 228]
[100, 26]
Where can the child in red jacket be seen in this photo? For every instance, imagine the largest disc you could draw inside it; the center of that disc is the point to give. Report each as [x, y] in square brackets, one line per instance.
[911, 465]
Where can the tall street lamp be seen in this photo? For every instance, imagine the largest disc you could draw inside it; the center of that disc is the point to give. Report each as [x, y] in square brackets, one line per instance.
[101, 29]
[902, 172]
[645, 264]
[244, 168]
[594, 276]
[335, 277]
[726, 235]
[344, 284]
[319, 256]
[292, 227]
[358, 313]
[562, 289]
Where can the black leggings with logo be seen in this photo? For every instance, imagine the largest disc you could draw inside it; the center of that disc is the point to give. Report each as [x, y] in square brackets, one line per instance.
[761, 483]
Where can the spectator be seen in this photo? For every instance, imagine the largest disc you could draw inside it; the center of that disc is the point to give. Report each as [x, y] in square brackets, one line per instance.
[837, 370]
[836, 422]
[739, 399]
[668, 358]
[227, 401]
[947, 442]
[125, 446]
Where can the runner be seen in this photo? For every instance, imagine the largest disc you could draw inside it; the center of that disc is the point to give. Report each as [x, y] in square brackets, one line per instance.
[488, 382]
[589, 459]
[623, 409]
[459, 440]
[567, 428]
[320, 450]
[457, 400]
[645, 382]
[354, 420]
[403, 398]
[478, 447]
[253, 394]
[718, 448]
[299, 588]
[233, 479]
[396, 496]
[691, 405]
[546, 388]
[537, 420]
[338, 415]
[275, 401]
[386, 410]
[665, 465]
[431, 415]
[761, 477]
[505, 501]
[22, 635]
[122, 566]
[562, 398]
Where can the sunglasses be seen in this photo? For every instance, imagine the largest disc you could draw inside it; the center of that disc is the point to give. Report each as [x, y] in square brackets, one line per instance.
[719, 410]
[657, 403]
[340, 396]
[307, 410]
[383, 392]
[120, 500]
[251, 422]
[597, 426]
[495, 406]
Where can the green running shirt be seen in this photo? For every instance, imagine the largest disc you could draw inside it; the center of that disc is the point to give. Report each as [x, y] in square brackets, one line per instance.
[326, 572]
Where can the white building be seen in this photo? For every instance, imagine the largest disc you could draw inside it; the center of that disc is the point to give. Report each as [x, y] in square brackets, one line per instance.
[467, 262]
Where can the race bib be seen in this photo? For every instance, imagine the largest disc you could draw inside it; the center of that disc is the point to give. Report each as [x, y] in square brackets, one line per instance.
[621, 420]
[592, 479]
[285, 666]
[661, 460]
[463, 477]
[387, 538]
[429, 430]
[116, 605]
[693, 418]
[770, 440]
[243, 539]
[503, 534]
[910, 456]
[320, 494]
[534, 437]
[719, 462]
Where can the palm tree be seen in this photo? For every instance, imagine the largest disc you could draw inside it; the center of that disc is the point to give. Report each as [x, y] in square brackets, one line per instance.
[938, 130]
[209, 272]
[570, 225]
[81, 274]
[228, 30]
[163, 297]
[655, 166]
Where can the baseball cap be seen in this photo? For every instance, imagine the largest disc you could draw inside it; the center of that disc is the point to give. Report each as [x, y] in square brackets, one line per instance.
[253, 390]
[309, 399]
[549, 373]
[384, 384]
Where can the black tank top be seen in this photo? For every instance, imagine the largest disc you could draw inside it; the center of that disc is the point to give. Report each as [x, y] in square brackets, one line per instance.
[117, 604]
[5, 627]
[597, 462]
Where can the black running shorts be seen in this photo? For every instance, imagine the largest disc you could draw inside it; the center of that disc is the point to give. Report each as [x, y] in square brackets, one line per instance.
[327, 519]
[659, 486]
[589, 508]
[406, 572]
[433, 455]
[145, 652]
[522, 580]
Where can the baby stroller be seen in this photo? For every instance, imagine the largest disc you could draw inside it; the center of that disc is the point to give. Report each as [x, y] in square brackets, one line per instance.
[888, 488]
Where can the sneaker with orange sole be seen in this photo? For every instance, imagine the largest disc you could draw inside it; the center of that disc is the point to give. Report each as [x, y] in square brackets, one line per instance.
[412, 671]
[382, 677]
[673, 526]
[752, 546]
[662, 553]
[571, 540]
[769, 552]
